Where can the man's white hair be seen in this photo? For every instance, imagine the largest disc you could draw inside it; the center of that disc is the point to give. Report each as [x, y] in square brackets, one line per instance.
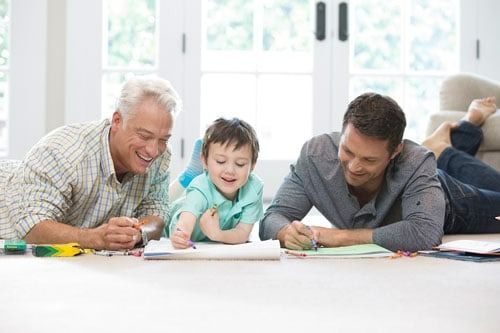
[138, 88]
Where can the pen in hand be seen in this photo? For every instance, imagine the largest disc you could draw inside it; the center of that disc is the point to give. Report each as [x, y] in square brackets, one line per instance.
[314, 243]
[190, 242]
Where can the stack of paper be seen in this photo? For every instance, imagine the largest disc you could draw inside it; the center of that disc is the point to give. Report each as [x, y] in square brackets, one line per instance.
[471, 246]
[265, 250]
[467, 250]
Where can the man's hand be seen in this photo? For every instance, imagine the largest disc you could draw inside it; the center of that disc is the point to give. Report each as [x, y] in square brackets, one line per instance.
[118, 234]
[209, 224]
[297, 236]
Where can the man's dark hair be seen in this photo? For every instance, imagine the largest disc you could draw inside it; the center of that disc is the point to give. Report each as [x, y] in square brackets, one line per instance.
[231, 131]
[377, 116]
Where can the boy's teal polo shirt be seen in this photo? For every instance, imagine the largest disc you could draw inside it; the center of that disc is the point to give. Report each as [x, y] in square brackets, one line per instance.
[202, 194]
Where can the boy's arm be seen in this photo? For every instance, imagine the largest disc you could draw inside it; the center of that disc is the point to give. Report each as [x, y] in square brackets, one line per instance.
[209, 224]
[181, 235]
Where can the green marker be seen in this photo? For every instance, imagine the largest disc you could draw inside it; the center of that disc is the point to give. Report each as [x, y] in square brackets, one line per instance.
[15, 246]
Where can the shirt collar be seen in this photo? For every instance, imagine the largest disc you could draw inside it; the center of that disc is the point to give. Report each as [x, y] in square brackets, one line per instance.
[107, 165]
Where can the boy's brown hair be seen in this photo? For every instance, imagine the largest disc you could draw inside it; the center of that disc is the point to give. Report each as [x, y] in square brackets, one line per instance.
[233, 131]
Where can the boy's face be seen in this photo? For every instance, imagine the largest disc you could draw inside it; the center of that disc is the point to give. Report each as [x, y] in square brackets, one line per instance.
[228, 168]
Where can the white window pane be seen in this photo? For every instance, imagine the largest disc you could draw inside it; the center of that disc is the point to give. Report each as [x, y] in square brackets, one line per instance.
[227, 95]
[376, 36]
[229, 24]
[4, 115]
[131, 33]
[4, 32]
[421, 98]
[284, 120]
[287, 25]
[4, 64]
[433, 37]
[389, 86]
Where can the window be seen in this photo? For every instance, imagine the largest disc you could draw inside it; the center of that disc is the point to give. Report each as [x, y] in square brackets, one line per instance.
[404, 49]
[4, 75]
[130, 45]
[257, 64]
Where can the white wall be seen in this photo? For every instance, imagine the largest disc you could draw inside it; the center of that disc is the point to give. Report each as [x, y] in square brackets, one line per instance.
[480, 23]
[27, 80]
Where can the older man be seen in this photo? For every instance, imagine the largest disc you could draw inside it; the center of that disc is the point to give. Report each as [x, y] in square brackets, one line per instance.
[101, 184]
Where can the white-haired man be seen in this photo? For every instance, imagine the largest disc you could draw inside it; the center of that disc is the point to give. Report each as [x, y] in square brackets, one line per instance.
[101, 184]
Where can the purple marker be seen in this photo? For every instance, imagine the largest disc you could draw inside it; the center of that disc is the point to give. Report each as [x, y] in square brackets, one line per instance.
[190, 242]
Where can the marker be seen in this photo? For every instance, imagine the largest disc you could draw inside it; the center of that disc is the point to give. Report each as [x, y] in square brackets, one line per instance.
[314, 243]
[214, 209]
[108, 253]
[190, 242]
[498, 218]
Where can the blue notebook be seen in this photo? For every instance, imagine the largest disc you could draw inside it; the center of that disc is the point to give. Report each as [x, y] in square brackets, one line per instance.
[464, 256]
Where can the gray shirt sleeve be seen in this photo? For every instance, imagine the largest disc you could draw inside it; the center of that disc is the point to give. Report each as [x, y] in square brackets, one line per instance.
[422, 212]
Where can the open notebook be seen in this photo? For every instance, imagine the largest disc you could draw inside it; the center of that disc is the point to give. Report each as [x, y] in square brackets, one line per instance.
[264, 250]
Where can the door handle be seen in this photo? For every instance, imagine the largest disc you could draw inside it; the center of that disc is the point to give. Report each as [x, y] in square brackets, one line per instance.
[320, 21]
[343, 23]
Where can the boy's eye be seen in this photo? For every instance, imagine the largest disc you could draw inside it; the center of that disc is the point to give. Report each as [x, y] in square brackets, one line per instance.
[220, 161]
[241, 164]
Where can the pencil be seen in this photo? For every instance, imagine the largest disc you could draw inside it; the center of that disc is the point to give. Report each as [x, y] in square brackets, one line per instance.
[214, 210]
[139, 224]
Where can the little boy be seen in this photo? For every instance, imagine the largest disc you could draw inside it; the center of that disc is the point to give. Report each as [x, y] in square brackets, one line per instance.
[224, 202]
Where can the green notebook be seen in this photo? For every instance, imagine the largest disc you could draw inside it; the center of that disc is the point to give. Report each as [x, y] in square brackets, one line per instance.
[353, 251]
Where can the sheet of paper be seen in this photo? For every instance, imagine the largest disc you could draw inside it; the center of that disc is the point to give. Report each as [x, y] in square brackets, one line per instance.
[473, 246]
[265, 250]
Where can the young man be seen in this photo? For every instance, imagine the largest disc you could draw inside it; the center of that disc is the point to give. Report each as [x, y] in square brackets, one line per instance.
[102, 184]
[372, 186]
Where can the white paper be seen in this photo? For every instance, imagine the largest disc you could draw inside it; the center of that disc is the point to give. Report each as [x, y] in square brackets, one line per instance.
[262, 250]
[473, 246]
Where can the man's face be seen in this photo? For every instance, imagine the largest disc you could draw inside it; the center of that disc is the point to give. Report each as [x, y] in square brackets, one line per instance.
[364, 159]
[136, 141]
[228, 168]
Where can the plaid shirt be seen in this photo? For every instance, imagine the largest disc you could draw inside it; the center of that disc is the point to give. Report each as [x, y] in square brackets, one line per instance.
[69, 177]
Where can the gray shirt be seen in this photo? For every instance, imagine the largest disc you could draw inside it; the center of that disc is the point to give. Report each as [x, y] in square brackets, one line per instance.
[407, 213]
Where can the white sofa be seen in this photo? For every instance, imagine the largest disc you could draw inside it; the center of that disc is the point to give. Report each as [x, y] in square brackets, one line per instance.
[457, 91]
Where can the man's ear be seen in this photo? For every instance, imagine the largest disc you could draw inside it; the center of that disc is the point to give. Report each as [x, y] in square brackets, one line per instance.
[116, 120]
[397, 150]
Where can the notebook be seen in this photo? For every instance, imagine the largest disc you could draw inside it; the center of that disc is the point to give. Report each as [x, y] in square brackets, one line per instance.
[260, 250]
[343, 252]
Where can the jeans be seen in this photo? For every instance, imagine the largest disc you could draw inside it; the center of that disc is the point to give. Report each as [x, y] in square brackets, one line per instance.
[472, 188]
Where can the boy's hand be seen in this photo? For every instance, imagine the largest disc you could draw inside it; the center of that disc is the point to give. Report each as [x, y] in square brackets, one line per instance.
[179, 239]
[209, 224]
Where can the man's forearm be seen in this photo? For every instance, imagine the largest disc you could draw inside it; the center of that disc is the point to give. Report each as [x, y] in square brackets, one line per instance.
[54, 232]
[341, 237]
